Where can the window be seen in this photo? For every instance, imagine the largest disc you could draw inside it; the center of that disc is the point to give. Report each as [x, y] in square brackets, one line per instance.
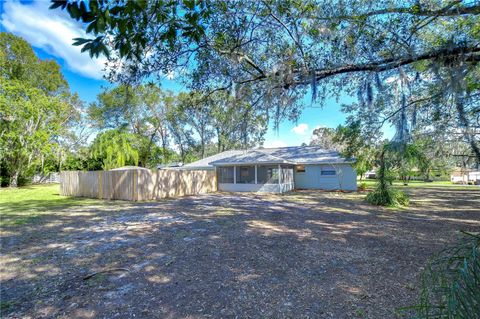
[300, 168]
[327, 172]
[245, 174]
[225, 175]
[267, 174]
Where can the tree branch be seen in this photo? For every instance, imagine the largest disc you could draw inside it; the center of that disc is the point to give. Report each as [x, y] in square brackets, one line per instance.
[470, 54]
[287, 29]
[452, 9]
[392, 63]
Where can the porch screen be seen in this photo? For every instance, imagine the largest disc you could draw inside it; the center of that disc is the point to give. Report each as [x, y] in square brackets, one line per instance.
[267, 174]
[245, 174]
[225, 174]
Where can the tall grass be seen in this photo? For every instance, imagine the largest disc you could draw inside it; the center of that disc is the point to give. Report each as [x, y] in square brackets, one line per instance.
[450, 286]
[387, 197]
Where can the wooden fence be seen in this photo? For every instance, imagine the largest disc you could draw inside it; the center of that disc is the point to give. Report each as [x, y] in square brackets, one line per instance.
[136, 184]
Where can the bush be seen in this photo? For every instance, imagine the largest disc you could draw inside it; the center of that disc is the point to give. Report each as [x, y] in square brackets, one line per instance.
[387, 197]
[450, 285]
[362, 187]
[24, 180]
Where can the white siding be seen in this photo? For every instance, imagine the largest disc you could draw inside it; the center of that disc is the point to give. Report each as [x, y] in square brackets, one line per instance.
[345, 177]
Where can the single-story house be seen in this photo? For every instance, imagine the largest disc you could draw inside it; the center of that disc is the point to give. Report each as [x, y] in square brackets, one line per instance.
[280, 170]
[372, 174]
[465, 176]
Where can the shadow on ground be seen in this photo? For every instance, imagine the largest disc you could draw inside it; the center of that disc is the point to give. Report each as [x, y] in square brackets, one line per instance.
[304, 254]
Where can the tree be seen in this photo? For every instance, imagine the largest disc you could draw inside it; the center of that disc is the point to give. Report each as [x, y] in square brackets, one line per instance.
[356, 144]
[384, 194]
[408, 159]
[281, 50]
[236, 122]
[325, 137]
[181, 132]
[197, 114]
[115, 148]
[36, 108]
[139, 109]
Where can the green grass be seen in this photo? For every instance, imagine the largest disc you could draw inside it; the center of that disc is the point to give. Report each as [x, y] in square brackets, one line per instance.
[19, 206]
[371, 183]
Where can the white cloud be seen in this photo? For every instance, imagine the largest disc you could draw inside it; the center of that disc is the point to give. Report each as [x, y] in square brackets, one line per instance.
[300, 129]
[52, 31]
[274, 143]
[170, 75]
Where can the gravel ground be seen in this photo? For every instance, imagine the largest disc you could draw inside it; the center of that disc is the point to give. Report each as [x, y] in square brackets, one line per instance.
[299, 255]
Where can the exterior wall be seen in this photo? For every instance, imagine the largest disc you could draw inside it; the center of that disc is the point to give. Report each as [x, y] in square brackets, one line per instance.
[466, 177]
[261, 188]
[345, 177]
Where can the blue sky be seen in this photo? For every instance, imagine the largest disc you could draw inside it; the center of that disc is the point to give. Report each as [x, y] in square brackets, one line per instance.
[51, 33]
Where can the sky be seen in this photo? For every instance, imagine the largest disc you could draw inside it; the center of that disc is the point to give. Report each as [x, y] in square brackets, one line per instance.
[50, 32]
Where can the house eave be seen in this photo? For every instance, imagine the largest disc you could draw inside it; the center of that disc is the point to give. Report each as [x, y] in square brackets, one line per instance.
[324, 163]
[253, 163]
[197, 168]
[287, 163]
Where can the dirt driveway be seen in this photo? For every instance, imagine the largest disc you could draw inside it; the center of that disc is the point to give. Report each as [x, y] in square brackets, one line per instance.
[301, 255]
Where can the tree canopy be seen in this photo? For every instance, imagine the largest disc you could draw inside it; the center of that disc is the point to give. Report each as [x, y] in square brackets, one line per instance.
[36, 107]
[410, 63]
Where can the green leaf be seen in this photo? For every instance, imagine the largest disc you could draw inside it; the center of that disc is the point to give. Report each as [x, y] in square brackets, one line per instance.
[74, 11]
[58, 3]
[80, 41]
[189, 4]
[91, 27]
[86, 47]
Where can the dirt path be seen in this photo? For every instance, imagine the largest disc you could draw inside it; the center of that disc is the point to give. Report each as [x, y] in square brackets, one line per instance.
[302, 255]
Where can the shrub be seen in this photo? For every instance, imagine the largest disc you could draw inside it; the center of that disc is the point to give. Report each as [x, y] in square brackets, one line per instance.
[362, 187]
[450, 285]
[387, 197]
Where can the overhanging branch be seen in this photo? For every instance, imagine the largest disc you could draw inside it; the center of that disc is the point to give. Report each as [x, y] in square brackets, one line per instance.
[470, 53]
[455, 8]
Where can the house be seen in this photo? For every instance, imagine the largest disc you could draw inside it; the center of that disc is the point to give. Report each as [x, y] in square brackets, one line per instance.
[372, 174]
[169, 166]
[280, 170]
[465, 176]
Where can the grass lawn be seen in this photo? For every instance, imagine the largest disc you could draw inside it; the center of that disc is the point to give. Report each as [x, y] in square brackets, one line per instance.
[399, 184]
[22, 205]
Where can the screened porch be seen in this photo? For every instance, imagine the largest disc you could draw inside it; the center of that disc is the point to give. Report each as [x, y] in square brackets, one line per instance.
[276, 178]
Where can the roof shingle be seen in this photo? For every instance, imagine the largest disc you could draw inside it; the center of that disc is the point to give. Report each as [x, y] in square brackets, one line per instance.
[281, 155]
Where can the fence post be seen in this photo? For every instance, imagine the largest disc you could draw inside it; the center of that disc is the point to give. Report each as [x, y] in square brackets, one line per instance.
[100, 186]
[134, 185]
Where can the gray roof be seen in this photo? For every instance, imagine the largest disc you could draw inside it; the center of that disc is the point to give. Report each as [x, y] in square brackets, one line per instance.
[251, 157]
[307, 155]
[204, 163]
[128, 168]
[281, 155]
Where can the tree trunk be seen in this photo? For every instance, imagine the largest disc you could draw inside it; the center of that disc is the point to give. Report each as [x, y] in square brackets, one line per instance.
[202, 144]
[219, 141]
[14, 179]
[163, 136]
[464, 121]
[381, 171]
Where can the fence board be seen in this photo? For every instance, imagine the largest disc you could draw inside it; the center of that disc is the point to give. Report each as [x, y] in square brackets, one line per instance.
[133, 184]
